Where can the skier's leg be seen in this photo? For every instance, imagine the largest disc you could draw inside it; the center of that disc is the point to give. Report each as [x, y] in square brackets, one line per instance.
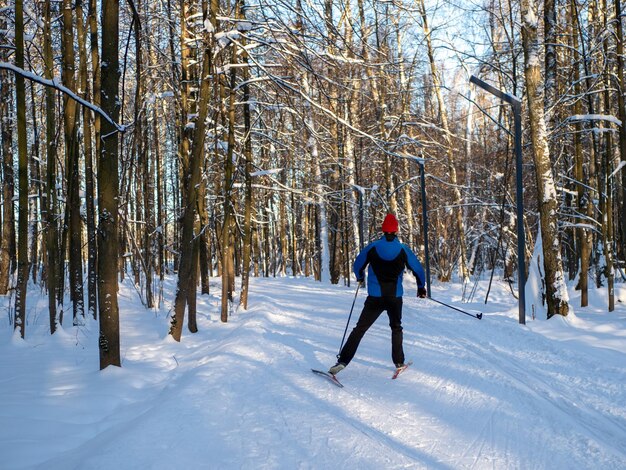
[371, 311]
[394, 311]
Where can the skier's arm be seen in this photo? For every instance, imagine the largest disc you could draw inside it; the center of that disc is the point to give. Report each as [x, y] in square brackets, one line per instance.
[415, 266]
[360, 263]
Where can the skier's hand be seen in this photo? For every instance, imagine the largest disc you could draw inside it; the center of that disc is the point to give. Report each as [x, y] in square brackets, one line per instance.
[361, 282]
[421, 292]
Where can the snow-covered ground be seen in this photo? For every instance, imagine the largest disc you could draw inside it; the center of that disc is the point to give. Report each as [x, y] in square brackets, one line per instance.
[481, 394]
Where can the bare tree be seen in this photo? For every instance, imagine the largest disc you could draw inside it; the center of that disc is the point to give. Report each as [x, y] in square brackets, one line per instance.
[452, 165]
[187, 264]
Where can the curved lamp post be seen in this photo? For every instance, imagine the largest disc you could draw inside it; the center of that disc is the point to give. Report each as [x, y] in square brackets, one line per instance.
[516, 104]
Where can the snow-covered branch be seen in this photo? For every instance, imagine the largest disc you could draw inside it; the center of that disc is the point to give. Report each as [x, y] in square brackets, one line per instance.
[595, 117]
[57, 86]
[621, 165]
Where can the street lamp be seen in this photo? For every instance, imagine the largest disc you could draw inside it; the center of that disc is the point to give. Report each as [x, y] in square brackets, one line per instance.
[516, 104]
[420, 161]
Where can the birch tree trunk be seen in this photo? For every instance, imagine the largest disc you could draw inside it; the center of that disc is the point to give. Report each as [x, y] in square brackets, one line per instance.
[556, 292]
[160, 232]
[34, 199]
[351, 168]
[324, 274]
[405, 101]
[350, 115]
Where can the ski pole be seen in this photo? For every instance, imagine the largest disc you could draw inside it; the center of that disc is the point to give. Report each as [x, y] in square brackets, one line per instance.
[479, 315]
[358, 284]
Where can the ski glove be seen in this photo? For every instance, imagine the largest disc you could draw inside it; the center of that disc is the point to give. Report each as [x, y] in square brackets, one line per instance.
[421, 292]
[361, 282]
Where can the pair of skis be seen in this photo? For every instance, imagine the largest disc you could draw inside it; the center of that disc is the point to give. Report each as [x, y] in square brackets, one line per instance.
[333, 378]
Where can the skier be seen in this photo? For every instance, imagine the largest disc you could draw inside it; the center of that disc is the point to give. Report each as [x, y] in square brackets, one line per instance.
[387, 258]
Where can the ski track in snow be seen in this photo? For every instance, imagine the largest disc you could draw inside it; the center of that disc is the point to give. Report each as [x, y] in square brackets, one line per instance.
[488, 394]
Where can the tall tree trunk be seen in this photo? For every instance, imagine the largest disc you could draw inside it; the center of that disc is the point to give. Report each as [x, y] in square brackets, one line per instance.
[227, 249]
[92, 245]
[22, 232]
[192, 295]
[605, 188]
[108, 191]
[34, 201]
[322, 223]
[594, 151]
[160, 232]
[405, 101]
[247, 151]
[556, 291]
[70, 128]
[51, 204]
[7, 243]
[189, 107]
[583, 234]
[148, 210]
[550, 59]
[187, 260]
[282, 222]
[145, 188]
[306, 228]
[204, 260]
[350, 160]
[92, 275]
[621, 104]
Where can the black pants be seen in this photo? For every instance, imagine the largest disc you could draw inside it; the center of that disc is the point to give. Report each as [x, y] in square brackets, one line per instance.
[372, 309]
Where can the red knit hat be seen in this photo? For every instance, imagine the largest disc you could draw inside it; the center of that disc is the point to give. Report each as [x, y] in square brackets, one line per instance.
[390, 224]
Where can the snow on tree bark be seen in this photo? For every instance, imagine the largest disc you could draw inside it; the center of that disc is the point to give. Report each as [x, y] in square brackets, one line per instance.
[556, 293]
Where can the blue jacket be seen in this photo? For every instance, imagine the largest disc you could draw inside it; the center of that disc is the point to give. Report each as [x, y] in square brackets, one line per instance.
[387, 259]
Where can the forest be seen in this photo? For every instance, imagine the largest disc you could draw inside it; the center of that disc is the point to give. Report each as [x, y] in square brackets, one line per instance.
[228, 138]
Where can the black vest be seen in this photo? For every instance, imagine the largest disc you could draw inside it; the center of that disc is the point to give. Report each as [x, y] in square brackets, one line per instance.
[387, 271]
